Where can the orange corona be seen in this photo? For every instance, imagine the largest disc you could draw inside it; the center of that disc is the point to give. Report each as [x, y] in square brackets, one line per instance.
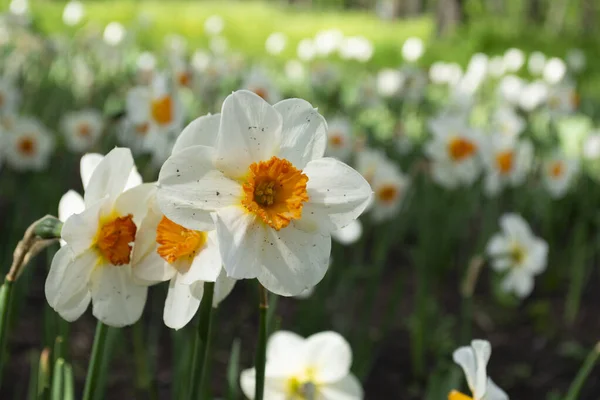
[178, 243]
[27, 146]
[114, 237]
[461, 148]
[162, 110]
[275, 191]
[504, 161]
[557, 169]
[387, 193]
[455, 395]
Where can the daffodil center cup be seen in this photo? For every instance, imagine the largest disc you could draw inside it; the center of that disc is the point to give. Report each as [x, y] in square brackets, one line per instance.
[275, 191]
[162, 110]
[504, 161]
[178, 245]
[455, 395]
[114, 237]
[387, 193]
[557, 168]
[460, 148]
[299, 390]
[27, 146]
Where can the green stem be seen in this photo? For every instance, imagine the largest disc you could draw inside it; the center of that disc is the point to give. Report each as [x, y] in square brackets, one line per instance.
[95, 366]
[143, 375]
[202, 343]
[261, 349]
[5, 305]
[583, 373]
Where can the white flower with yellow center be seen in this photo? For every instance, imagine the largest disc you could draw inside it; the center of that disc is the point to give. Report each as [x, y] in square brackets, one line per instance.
[155, 114]
[558, 173]
[339, 139]
[562, 99]
[473, 360]
[317, 367]
[272, 196]
[82, 129]
[28, 145]
[507, 163]
[389, 185]
[518, 253]
[259, 82]
[9, 97]
[507, 122]
[95, 263]
[453, 151]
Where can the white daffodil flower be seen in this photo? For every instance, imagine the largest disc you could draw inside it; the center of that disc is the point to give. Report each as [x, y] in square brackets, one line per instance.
[518, 253]
[507, 163]
[507, 122]
[95, 263]
[558, 172]
[317, 367]
[273, 198]
[562, 99]
[454, 151]
[259, 82]
[339, 138]
[473, 360]
[82, 129]
[29, 145]
[389, 185]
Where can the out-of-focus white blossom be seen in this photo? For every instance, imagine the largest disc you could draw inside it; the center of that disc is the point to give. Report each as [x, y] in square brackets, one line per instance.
[513, 59]
[412, 49]
[73, 13]
[214, 25]
[536, 63]
[389, 82]
[306, 50]
[114, 33]
[275, 43]
[554, 70]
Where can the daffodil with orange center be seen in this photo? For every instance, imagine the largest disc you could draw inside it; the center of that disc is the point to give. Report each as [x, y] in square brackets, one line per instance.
[339, 136]
[507, 162]
[82, 129]
[453, 152]
[94, 263]
[29, 145]
[558, 173]
[389, 185]
[473, 360]
[266, 187]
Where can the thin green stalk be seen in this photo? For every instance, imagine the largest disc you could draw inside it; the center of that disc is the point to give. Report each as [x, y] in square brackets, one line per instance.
[578, 273]
[261, 348]
[5, 305]
[58, 380]
[68, 383]
[143, 375]
[95, 366]
[202, 343]
[583, 373]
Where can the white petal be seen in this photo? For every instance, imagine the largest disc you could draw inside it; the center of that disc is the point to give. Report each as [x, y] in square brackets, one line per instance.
[70, 203]
[68, 276]
[223, 286]
[76, 306]
[181, 305]
[136, 201]
[134, 179]
[250, 131]
[138, 104]
[330, 356]
[304, 133]
[240, 239]
[518, 282]
[206, 266]
[292, 260]
[515, 226]
[190, 187]
[110, 176]
[337, 195]
[498, 245]
[87, 165]
[347, 388]
[493, 392]
[79, 230]
[152, 269]
[275, 388]
[348, 234]
[465, 358]
[202, 131]
[285, 355]
[117, 300]
[482, 350]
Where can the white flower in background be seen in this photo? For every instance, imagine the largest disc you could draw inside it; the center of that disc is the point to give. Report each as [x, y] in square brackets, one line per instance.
[389, 82]
[340, 141]
[328, 41]
[496, 67]
[414, 83]
[82, 129]
[412, 49]
[510, 88]
[175, 46]
[562, 99]
[145, 68]
[29, 145]
[473, 360]
[295, 71]
[156, 116]
[114, 33]
[275, 43]
[453, 151]
[554, 70]
[9, 97]
[348, 234]
[558, 172]
[507, 122]
[95, 264]
[306, 50]
[576, 60]
[389, 186]
[214, 25]
[272, 196]
[73, 13]
[317, 367]
[536, 63]
[513, 59]
[368, 162]
[356, 48]
[182, 72]
[218, 45]
[259, 82]
[517, 253]
[533, 95]
[507, 162]
[72, 202]
[591, 146]
[19, 7]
